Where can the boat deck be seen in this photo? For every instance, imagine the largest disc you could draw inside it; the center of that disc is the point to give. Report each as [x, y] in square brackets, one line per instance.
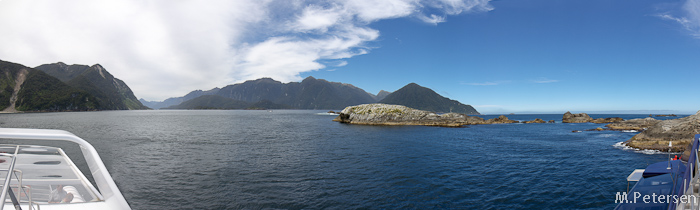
[44, 177]
[41, 170]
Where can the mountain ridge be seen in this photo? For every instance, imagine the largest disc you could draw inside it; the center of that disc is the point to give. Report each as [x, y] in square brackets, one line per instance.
[418, 97]
[110, 92]
[312, 93]
[27, 89]
[62, 87]
[173, 101]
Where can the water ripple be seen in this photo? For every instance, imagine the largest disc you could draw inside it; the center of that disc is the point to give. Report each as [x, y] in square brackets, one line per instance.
[299, 160]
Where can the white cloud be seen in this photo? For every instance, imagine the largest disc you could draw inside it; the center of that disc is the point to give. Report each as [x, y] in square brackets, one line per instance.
[317, 18]
[433, 19]
[341, 64]
[453, 7]
[373, 10]
[168, 48]
[544, 80]
[690, 19]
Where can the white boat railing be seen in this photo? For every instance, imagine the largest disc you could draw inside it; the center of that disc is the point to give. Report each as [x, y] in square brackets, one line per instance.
[7, 187]
[6, 184]
[109, 193]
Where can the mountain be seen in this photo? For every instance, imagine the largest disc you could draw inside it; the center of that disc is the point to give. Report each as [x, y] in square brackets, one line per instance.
[422, 98]
[150, 104]
[26, 89]
[265, 104]
[220, 102]
[381, 95]
[311, 93]
[211, 102]
[110, 93]
[177, 100]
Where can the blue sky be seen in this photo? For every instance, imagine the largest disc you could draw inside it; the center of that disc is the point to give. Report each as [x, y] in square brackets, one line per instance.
[541, 56]
[518, 56]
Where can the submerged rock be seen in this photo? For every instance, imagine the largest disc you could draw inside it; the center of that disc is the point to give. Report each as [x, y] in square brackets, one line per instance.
[386, 114]
[679, 131]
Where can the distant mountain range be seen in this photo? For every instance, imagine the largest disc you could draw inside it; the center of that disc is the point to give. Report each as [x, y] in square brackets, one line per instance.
[381, 95]
[311, 93]
[61, 87]
[177, 100]
[220, 102]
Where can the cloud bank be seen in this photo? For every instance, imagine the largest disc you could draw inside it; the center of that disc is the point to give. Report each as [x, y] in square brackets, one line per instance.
[168, 48]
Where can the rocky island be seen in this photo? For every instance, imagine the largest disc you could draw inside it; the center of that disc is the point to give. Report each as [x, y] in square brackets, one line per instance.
[633, 124]
[585, 118]
[659, 132]
[387, 114]
[655, 133]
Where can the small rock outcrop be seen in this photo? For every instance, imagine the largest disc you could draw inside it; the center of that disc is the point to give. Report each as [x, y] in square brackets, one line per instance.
[633, 124]
[501, 120]
[607, 120]
[576, 118]
[551, 121]
[584, 118]
[386, 114]
[537, 120]
[679, 131]
[667, 115]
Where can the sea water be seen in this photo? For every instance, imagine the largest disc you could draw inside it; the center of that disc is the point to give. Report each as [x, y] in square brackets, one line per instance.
[296, 159]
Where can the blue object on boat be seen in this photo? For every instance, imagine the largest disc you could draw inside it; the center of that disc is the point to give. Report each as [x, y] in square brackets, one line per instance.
[645, 192]
[661, 182]
[662, 168]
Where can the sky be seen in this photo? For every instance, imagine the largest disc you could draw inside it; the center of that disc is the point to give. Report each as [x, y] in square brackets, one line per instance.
[519, 56]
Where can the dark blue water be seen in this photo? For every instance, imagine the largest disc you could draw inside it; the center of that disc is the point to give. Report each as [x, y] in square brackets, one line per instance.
[300, 160]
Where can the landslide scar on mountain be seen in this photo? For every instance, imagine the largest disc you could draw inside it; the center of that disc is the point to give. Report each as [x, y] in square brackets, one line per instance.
[19, 80]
